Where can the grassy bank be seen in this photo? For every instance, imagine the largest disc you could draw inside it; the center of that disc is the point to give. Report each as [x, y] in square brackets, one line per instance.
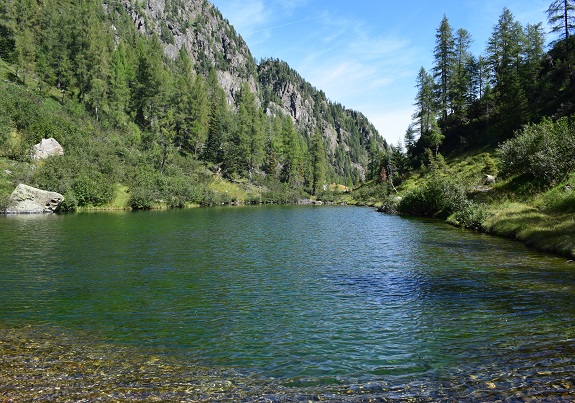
[539, 214]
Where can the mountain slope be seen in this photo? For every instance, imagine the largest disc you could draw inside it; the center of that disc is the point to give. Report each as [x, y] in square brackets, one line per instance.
[155, 100]
[211, 42]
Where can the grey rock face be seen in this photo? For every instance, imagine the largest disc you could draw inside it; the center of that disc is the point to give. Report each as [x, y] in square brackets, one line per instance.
[29, 200]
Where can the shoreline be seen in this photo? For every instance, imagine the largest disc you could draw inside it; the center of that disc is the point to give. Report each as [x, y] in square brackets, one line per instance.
[47, 364]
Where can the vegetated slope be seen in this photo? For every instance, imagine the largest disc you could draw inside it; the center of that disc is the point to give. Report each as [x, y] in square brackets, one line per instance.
[351, 140]
[155, 99]
[492, 142]
[212, 43]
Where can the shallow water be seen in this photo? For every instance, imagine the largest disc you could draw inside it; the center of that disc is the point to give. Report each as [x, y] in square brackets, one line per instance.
[338, 299]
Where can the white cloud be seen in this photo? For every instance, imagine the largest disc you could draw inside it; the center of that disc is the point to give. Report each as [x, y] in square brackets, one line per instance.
[391, 123]
[245, 15]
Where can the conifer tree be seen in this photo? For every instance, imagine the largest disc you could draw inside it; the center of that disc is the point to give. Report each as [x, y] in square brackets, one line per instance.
[199, 115]
[218, 127]
[119, 97]
[561, 17]
[504, 50]
[461, 76]
[294, 149]
[444, 60]
[425, 102]
[318, 161]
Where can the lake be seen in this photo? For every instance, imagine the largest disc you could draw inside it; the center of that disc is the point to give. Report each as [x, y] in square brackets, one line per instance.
[333, 302]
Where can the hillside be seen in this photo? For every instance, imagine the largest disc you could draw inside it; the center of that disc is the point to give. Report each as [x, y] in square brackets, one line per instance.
[156, 92]
[492, 142]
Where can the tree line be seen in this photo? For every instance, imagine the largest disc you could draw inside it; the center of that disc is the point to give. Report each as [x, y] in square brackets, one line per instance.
[164, 109]
[467, 101]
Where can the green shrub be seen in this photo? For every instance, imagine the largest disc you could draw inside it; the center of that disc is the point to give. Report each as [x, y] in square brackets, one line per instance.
[144, 183]
[560, 200]
[141, 198]
[92, 189]
[4, 199]
[439, 197]
[70, 202]
[471, 216]
[544, 151]
[370, 193]
[490, 167]
[390, 204]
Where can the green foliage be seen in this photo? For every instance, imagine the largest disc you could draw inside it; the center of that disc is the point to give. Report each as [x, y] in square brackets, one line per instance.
[471, 216]
[317, 154]
[560, 199]
[544, 152]
[490, 167]
[439, 197]
[357, 139]
[390, 204]
[370, 193]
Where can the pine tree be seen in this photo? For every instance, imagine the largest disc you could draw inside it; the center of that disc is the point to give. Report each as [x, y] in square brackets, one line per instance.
[504, 50]
[444, 55]
[119, 97]
[199, 115]
[461, 77]
[183, 103]
[273, 146]
[425, 102]
[561, 17]
[149, 86]
[218, 128]
[533, 55]
[318, 161]
[294, 149]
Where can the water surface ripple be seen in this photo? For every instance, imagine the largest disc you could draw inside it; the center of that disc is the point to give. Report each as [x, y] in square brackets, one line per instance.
[326, 296]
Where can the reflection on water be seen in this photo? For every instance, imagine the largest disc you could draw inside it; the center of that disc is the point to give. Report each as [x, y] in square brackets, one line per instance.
[308, 296]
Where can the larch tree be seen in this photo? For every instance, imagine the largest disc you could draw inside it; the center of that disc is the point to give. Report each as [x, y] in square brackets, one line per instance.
[444, 55]
[504, 53]
[461, 78]
[561, 18]
[318, 162]
[425, 102]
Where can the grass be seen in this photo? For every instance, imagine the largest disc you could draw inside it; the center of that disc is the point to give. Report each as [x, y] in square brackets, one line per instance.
[553, 233]
[541, 217]
[231, 191]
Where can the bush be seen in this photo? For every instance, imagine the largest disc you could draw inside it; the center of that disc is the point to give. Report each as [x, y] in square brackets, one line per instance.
[4, 199]
[70, 202]
[370, 193]
[93, 189]
[471, 216]
[439, 197]
[544, 152]
[141, 199]
[560, 199]
[390, 205]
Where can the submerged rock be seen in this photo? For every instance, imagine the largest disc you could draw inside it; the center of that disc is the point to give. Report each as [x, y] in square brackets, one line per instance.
[29, 200]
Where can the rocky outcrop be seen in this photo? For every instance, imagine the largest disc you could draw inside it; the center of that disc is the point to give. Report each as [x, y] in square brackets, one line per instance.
[199, 28]
[29, 200]
[46, 148]
[212, 43]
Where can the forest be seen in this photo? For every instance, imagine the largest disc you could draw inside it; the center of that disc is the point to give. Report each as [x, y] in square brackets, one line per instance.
[492, 142]
[140, 125]
[147, 124]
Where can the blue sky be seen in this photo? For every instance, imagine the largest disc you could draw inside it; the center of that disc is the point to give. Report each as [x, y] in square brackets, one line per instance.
[366, 54]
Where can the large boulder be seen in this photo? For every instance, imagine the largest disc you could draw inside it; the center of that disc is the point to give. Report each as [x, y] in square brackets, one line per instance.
[46, 148]
[29, 200]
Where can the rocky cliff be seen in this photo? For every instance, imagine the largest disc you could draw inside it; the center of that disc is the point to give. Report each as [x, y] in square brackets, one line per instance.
[211, 42]
[198, 27]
